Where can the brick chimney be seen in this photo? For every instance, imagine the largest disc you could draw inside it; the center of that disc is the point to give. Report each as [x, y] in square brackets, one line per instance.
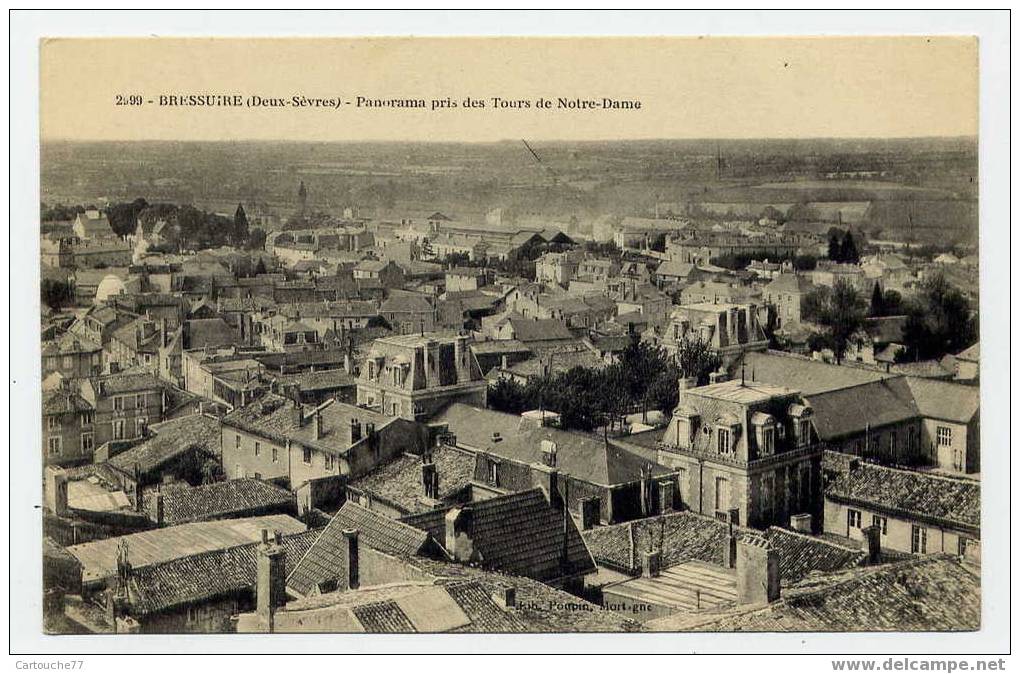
[547, 479]
[355, 430]
[271, 579]
[549, 453]
[757, 571]
[353, 580]
[729, 549]
[429, 477]
[298, 413]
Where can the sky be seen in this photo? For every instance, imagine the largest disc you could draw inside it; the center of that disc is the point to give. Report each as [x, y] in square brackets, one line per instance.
[882, 87]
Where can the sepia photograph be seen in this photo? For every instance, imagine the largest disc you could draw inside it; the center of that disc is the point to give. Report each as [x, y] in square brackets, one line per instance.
[393, 335]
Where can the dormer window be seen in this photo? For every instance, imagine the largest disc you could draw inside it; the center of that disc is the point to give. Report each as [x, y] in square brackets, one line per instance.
[765, 433]
[723, 437]
[801, 416]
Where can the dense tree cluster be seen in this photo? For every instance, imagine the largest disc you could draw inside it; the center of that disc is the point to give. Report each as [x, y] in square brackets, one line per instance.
[843, 248]
[56, 293]
[885, 303]
[644, 379]
[59, 212]
[840, 310]
[741, 260]
[939, 321]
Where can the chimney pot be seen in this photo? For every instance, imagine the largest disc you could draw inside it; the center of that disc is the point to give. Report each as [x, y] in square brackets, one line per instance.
[353, 562]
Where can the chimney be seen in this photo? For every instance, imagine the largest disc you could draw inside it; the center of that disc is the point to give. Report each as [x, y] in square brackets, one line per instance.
[682, 386]
[271, 579]
[429, 478]
[355, 430]
[56, 490]
[651, 563]
[729, 549]
[159, 508]
[757, 571]
[801, 523]
[547, 479]
[298, 414]
[458, 533]
[506, 597]
[549, 453]
[353, 581]
[873, 535]
[503, 364]
[317, 424]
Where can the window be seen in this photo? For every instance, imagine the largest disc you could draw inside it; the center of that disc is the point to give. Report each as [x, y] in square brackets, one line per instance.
[768, 488]
[258, 476]
[959, 459]
[140, 424]
[68, 362]
[88, 418]
[493, 473]
[140, 401]
[722, 494]
[53, 445]
[918, 540]
[961, 546]
[118, 429]
[892, 443]
[237, 441]
[118, 404]
[943, 436]
[853, 519]
[87, 442]
[804, 432]
[327, 461]
[723, 440]
[880, 522]
[768, 441]
[306, 456]
[275, 455]
[53, 423]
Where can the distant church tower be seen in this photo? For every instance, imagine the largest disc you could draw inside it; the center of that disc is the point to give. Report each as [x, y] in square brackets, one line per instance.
[302, 195]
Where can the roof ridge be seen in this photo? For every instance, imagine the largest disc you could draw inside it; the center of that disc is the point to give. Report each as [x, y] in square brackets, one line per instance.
[816, 539]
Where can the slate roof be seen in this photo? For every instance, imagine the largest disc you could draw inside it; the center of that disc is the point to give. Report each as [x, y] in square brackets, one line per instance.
[920, 496]
[944, 400]
[685, 536]
[172, 439]
[522, 534]
[218, 500]
[804, 375]
[406, 303]
[532, 330]
[206, 575]
[931, 593]
[499, 346]
[320, 380]
[848, 411]
[474, 426]
[212, 332]
[326, 559]
[789, 283]
[68, 343]
[399, 482]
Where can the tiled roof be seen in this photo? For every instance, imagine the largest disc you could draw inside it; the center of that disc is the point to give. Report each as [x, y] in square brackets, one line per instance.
[522, 534]
[789, 283]
[686, 536]
[474, 426]
[406, 303]
[272, 416]
[68, 343]
[920, 496]
[499, 346]
[318, 380]
[326, 560]
[63, 402]
[128, 382]
[399, 482]
[172, 439]
[926, 594]
[206, 575]
[219, 499]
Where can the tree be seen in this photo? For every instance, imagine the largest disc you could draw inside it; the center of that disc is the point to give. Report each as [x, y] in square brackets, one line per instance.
[696, 358]
[877, 301]
[815, 303]
[835, 250]
[848, 249]
[260, 267]
[56, 293]
[843, 316]
[506, 395]
[240, 233]
[939, 321]
[123, 217]
[256, 239]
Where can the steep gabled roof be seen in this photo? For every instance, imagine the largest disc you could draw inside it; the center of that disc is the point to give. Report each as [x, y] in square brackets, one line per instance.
[172, 439]
[326, 559]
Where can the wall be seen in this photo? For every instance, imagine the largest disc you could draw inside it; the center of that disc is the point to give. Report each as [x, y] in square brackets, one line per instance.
[945, 456]
[241, 461]
[899, 530]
